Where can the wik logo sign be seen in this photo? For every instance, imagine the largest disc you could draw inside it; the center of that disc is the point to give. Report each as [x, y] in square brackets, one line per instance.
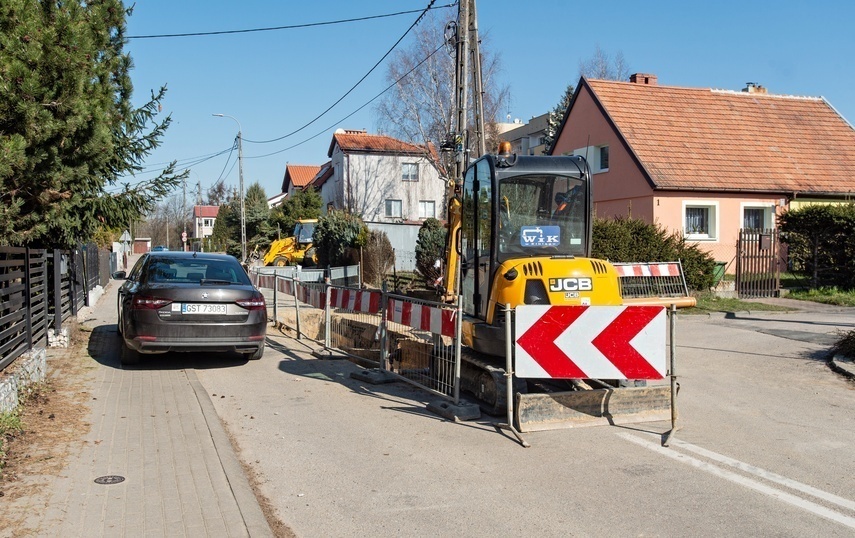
[540, 236]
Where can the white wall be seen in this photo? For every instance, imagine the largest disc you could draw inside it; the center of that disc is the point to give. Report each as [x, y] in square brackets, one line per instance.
[371, 179]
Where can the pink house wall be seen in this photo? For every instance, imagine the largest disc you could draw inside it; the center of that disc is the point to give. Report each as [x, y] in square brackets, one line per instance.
[623, 189]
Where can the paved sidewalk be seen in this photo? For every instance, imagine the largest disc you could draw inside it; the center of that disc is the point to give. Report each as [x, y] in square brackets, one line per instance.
[155, 426]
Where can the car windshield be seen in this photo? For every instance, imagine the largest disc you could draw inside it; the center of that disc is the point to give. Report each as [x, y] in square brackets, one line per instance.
[191, 270]
[542, 215]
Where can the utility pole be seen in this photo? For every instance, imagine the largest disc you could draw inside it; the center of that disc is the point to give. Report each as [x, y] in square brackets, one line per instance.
[467, 71]
[184, 217]
[464, 35]
[240, 175]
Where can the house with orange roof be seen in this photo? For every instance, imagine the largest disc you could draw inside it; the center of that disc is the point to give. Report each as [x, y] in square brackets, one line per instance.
[298, 176]
[705, 162]
[383, 179]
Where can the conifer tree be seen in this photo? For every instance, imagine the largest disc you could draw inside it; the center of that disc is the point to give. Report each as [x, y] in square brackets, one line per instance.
[69, 135]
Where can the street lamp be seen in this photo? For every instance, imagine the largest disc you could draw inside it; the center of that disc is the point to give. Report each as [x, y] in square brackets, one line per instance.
[240, 174]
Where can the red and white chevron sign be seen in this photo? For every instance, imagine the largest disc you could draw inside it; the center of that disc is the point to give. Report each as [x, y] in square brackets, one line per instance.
[590, 342]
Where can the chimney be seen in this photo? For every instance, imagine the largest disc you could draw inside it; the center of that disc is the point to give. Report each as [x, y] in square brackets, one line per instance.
[643, 78]
[753, 87]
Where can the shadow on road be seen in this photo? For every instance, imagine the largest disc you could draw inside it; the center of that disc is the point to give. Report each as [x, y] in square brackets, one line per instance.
[104, 347]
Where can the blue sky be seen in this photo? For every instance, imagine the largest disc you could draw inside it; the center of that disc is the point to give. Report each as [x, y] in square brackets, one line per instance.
[275, 82]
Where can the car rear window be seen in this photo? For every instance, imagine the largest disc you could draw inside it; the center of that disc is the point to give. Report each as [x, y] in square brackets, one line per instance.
[193, 270]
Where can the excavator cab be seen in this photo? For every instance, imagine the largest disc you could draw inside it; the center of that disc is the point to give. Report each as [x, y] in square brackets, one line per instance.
[525, 238]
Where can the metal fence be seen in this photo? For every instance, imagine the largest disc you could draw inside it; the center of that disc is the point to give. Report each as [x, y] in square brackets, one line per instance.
[654, 279]
[412, 339]
[757, 263]
[39, 289]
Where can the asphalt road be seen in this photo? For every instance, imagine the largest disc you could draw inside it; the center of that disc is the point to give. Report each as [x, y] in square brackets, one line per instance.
[765, 447]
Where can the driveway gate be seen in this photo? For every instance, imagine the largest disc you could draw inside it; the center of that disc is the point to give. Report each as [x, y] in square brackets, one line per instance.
[757, 259]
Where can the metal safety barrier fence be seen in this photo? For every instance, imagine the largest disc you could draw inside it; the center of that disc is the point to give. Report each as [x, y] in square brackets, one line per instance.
[411, 339]
[654, 279]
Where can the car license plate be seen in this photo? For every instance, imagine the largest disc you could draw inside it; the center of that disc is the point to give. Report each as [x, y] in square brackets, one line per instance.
[193, 308]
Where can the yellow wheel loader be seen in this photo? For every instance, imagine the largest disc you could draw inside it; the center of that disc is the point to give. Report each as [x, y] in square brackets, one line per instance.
[296, 249]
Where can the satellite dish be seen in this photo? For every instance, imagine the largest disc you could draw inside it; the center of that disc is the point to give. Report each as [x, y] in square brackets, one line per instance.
[339, 131]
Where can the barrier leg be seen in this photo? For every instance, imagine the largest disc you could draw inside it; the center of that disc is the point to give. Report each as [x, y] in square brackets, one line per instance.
[327, 314]
[297, 306]
[509, 374]
[673, 375]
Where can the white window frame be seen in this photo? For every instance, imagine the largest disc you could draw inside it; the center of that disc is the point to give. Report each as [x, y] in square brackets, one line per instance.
[600, 167]
[423, 205]
[409, 176]
[389, 205]
[768, 209]
[712, 207]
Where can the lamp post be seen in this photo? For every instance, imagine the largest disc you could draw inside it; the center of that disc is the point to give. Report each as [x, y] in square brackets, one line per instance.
[240, 174]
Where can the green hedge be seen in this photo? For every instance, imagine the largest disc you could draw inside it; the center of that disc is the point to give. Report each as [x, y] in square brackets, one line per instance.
[821, 243]
[633, 240]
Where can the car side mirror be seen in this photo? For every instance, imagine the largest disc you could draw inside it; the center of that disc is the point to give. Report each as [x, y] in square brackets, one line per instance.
[119, 275]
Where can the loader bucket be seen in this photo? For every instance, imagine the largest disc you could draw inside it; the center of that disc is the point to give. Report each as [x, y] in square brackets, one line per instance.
[595, 407]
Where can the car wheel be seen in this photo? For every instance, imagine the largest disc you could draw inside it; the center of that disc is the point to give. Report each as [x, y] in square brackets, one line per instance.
[257, 355]
[128, 355]
[280, 261]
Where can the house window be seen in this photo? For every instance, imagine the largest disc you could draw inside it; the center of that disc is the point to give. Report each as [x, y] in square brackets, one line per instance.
[757, 217]
[604, 158]
[393, 208]
[700, 220]
[207, 222]
[410, 171]
[427, 209]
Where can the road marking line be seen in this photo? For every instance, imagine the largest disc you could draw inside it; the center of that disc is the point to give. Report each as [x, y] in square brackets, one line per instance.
[770, 476]
[783, 496]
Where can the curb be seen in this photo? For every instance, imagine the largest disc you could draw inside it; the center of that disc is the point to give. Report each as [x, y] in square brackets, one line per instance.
[843, 366]
[250, 510]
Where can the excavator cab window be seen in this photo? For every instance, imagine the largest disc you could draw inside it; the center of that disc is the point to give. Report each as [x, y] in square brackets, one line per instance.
[542, 215]
[303, 231]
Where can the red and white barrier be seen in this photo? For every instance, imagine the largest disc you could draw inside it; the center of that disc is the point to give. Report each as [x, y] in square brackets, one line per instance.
[357, 301]
[422, 317]
[648, 269]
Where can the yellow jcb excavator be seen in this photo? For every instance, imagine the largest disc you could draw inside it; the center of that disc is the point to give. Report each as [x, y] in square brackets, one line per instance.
[520, 228]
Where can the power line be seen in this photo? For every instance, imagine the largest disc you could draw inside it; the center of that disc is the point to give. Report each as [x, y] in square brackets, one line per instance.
[290, 27]
[386, 89]
[234, 144]
[348, 92]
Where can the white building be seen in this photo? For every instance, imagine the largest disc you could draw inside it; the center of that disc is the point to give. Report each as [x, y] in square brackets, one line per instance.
[382, 179]
[204, 217]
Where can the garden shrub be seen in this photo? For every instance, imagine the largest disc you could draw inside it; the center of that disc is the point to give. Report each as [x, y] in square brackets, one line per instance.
[336, 236]
[820, 243]
[633, 240]
[430, 247]
[378, 257]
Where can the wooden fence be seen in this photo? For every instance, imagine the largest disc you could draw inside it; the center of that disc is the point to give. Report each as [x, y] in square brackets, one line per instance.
[39, 289]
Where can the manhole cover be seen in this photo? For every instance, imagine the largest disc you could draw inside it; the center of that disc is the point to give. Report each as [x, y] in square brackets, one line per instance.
[109, 479]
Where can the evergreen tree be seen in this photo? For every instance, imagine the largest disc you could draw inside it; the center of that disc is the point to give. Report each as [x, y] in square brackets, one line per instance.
[68, 131]
[556, 116]
[222, 236]
[258, 229]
